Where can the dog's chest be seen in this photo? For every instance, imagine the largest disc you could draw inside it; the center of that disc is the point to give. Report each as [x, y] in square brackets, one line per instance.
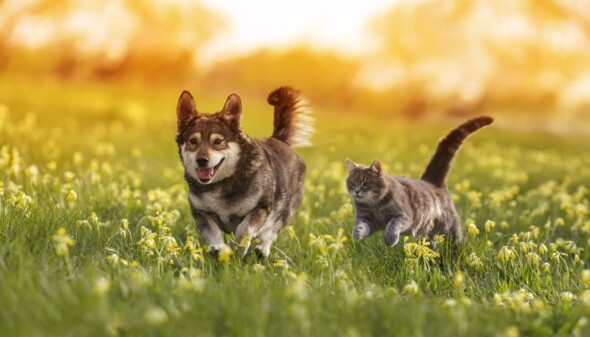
[225, 208]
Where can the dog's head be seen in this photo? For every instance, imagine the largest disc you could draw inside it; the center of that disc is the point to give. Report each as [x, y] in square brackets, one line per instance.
[209, 145]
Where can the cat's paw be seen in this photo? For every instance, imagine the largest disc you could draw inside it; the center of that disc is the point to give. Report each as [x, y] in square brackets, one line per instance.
[391, 238]
[360, 231]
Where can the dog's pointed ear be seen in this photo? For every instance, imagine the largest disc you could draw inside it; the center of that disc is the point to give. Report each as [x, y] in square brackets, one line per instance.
[232, 110]
[185, 109]
[376, 167]
[350, 165]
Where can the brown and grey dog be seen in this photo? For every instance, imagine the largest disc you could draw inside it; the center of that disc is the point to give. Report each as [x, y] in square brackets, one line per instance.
[249, 187]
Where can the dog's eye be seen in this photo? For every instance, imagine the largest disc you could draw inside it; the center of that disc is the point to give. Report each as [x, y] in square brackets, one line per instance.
[218, 141]
[192, 141]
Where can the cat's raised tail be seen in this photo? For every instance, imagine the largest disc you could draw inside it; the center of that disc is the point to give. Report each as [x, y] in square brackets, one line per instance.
[438, 168]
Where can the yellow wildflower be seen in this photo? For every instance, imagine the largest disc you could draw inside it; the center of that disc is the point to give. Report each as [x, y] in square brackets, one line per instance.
[101, 286]
[567, 297]
[124, 228]
[439, 239]
[52, 165]
[225, 253]
[458, 279]
[511, 331]
[542, 249]
[259, 268]
[78, 158]
[506, 254]
[62, 242]
[533, 258]
[156, 316]
[557, 256]
[474, 198]
[449, 303]
[474, 261]
[472, 229]
[411, 288]
[489, 225]
[282, 264]
[298, 289]
[513, 239]
[72, 197]
[318, 241]
[338, 242]
[291, 232]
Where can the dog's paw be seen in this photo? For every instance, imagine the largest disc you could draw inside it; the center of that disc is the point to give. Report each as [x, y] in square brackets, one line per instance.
[262, 252]
[216, 249]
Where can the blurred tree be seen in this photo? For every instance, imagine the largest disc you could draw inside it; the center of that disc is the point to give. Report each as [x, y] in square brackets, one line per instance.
[105, 38]
[470, 55]
[325, 77]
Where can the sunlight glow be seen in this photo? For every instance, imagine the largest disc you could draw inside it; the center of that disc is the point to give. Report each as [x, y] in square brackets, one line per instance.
[337, 25]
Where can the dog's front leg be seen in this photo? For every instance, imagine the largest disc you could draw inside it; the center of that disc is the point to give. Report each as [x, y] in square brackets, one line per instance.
[210, 231]
[248, 227]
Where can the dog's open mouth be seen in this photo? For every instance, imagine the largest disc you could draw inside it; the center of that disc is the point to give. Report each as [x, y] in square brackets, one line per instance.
[206, 174]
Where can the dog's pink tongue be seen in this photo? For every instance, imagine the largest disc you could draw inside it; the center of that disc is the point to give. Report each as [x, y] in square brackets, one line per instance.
[205, 173]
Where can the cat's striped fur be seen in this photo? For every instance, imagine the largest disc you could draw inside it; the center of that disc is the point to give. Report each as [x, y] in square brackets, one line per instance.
[403, 206]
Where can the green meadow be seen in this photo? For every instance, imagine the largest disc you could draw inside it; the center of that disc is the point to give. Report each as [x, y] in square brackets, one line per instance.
[96, 236]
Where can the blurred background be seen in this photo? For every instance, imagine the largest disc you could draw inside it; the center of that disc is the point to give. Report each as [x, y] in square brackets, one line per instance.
[527, 61]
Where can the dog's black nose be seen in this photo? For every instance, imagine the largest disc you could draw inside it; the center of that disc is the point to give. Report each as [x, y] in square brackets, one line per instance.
[202, 161]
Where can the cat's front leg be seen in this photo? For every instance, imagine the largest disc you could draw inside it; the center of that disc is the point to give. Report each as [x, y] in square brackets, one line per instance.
[361, 230]
[393, 230]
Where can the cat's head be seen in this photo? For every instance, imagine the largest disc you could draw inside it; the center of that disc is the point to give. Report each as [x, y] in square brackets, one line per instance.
[365, 183]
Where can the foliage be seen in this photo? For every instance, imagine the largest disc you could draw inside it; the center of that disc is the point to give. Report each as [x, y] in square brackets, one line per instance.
[467, 55]
[96, 237]
[152, 39]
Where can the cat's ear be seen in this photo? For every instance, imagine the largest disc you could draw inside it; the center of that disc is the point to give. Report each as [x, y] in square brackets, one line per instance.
[350, 165]
[376, 167]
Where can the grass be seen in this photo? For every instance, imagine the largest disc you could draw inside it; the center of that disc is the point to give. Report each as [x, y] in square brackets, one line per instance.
[96, 237]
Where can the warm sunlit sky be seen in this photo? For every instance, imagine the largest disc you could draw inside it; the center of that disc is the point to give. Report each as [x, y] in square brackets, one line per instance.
[467, 51]
[340, 25]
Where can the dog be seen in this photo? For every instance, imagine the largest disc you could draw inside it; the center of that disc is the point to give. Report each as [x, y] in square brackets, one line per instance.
[248, 187]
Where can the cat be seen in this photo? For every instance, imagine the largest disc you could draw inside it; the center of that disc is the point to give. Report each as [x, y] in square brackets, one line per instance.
[403, 206]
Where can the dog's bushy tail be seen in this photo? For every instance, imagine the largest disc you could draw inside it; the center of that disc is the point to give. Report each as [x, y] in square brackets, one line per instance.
[293, 123]
[438, 168]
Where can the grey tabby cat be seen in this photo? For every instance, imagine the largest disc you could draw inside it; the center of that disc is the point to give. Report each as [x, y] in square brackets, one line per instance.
[403, 206]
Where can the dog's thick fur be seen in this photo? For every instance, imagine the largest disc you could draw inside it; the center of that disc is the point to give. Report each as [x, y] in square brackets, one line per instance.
[249, 187]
